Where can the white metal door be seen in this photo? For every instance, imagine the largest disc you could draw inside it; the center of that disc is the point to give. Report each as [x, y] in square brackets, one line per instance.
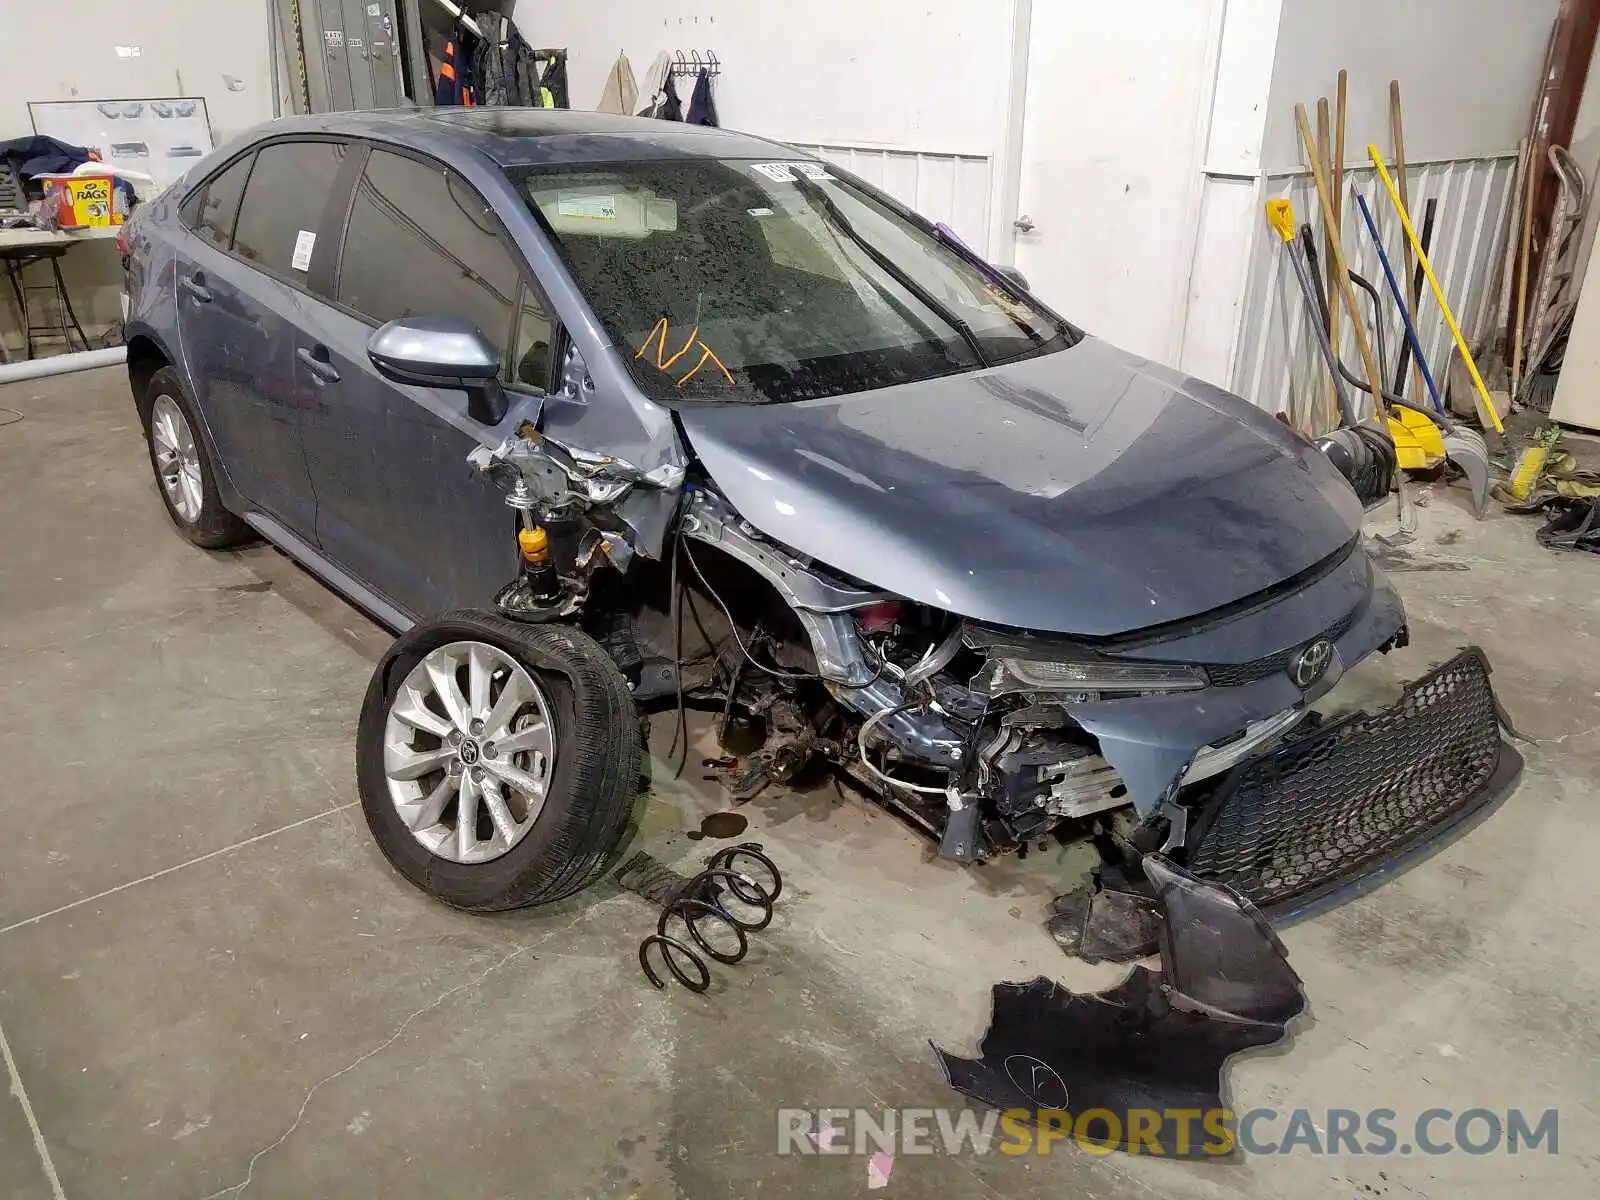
[1577, 399]
[1109, 163]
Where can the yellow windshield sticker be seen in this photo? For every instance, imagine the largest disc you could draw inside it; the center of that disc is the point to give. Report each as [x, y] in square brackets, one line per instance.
[705, 357]
[658, 335]
[658, 338]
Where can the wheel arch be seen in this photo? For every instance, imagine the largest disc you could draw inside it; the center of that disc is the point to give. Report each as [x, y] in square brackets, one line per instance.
[148, 353]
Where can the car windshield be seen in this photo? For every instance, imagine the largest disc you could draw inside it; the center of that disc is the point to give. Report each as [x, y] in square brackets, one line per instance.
[753, 282]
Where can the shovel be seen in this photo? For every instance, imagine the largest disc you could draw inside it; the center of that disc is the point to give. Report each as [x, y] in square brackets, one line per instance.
[1486, 404]
[1280, 215]
[1464, 447]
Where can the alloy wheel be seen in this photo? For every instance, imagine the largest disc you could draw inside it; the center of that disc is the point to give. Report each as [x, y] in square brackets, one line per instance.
[177, 459]
[468, 750]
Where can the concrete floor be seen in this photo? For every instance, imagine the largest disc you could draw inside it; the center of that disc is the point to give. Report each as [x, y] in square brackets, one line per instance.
[211, 983]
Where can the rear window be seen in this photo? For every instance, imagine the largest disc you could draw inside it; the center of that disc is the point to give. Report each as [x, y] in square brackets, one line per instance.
[282, 208]
[217, 204]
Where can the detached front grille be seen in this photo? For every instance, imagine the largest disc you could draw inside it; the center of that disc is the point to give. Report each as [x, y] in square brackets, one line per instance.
[1239, 674]
[1328, 809]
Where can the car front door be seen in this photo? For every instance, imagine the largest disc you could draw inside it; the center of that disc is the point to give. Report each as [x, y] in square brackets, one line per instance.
[398, 505]
[242, 282]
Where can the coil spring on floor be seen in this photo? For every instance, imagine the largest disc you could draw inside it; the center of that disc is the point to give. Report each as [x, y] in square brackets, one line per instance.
[698, 899]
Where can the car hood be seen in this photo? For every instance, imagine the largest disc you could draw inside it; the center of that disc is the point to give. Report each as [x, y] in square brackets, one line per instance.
[1087, 491]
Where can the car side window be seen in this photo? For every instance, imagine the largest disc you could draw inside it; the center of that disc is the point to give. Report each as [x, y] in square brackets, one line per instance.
[529, 368]
[282, 207]
[421, 243]
[218, 208]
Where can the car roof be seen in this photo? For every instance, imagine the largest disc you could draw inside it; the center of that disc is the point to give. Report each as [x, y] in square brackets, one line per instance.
[528, 136]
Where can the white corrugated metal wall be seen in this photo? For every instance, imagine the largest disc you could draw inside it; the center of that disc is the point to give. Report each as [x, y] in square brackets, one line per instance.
[1276, 357]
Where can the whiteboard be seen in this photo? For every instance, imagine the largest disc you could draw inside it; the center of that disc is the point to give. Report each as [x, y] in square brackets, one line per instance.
[163, 136]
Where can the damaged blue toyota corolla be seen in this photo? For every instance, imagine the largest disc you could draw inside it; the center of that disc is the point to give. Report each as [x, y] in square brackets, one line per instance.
[609, 416]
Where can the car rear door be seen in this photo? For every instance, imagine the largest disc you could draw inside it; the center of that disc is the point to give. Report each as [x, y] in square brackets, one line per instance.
[242, 281]
[398, 505]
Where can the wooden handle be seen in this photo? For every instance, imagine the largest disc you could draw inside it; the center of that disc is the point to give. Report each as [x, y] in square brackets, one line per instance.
[1339, 266]
[1397, 130]
[1324, 154]
[1522, 279]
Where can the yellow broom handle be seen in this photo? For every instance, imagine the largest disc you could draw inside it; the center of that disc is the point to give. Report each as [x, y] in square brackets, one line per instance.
[1438, 292]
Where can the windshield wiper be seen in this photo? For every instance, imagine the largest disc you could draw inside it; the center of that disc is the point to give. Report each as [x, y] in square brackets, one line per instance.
[951, 241]
[815, 192]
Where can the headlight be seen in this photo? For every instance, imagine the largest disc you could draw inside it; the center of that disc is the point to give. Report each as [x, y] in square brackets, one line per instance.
[1027, 674]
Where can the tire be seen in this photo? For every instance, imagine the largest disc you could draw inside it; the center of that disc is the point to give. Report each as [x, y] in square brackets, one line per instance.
[193, 502]
[591, 777]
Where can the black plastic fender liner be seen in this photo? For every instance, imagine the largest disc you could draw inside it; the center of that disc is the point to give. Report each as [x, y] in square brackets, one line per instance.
[1141, 1064]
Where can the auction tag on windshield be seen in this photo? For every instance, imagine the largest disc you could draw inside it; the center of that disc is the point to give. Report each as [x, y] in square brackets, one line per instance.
[784, 172]
[304, 243]
[597, 208]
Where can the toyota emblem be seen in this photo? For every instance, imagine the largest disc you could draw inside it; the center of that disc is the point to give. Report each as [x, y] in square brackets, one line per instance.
[1310, 663]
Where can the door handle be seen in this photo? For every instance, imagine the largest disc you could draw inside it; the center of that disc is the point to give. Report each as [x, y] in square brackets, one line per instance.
[316, 359]
[1024, 224]
[195, 285]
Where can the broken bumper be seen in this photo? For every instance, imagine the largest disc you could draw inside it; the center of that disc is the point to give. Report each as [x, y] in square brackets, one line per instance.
[1152, 741]
[1336, 812]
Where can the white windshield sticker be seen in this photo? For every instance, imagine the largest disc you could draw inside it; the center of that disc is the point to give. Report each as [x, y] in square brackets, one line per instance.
[304, 243]
[784, 172]
[598, 208]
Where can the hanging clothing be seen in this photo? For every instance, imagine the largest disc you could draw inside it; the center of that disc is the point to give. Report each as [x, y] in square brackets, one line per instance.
[621, 93]
[553, 81]
[522, 72]
[670, 108]
[455, 69]
[702, 108]
[489, 64]
[655, 82]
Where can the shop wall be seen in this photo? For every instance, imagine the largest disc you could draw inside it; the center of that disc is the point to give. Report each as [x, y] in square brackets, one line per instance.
[910, 95]
[104, 49]
[1468, 70]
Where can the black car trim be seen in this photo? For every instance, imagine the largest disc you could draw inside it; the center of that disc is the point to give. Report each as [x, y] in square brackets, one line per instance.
[327, 269]
[387, 614]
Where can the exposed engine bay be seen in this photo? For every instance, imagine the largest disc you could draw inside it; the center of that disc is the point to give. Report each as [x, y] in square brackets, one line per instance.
[987, 739]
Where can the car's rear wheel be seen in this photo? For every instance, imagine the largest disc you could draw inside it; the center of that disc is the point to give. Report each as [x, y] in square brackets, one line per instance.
[183, 469]
[498, 763]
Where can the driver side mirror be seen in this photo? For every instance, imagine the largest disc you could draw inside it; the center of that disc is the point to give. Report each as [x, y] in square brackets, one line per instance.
[1013, 276]
[442, 352]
